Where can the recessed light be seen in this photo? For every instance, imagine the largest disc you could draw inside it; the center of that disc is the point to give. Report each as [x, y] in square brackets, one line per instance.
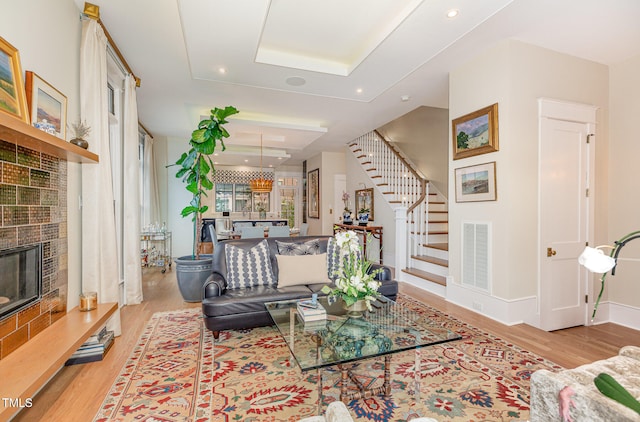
[452, 13]
[222, 70]
[246, 161]
[359, 90]
[405, 98]
[279, 158]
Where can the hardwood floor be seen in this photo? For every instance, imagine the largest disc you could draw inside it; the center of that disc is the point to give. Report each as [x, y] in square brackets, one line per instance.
[76, 392]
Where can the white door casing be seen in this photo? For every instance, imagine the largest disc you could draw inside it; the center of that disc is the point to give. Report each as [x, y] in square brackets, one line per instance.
[566, 216]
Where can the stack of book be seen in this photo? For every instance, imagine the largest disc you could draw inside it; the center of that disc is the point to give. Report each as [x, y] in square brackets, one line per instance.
[93, 349]
[311, 311]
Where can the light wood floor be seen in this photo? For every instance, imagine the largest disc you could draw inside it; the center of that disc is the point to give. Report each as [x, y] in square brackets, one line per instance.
[76, 392]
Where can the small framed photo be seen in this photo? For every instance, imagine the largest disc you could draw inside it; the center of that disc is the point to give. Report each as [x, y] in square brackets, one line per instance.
[47, 106]
[12, 98]
[475, 133]
[476, 183]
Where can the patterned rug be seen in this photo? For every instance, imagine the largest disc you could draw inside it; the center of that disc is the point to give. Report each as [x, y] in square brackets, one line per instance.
[176, 374]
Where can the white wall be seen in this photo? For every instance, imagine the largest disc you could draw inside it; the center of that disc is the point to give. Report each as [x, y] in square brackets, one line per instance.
[624, 200]
[423, 136]
[515, 75]
[47, 36]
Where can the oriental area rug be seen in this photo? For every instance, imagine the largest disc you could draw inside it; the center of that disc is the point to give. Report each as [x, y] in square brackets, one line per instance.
[177, 373]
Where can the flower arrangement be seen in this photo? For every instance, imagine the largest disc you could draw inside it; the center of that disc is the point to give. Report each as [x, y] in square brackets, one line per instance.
[354, 278]
[345, 199]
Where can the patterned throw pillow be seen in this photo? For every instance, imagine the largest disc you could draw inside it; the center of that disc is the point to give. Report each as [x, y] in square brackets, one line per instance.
[311, 247]
[247, 268]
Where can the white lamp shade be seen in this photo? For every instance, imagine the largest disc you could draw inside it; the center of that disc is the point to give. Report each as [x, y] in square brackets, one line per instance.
[596, 261]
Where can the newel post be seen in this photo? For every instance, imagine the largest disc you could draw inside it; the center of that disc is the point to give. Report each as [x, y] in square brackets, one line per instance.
[401, 240]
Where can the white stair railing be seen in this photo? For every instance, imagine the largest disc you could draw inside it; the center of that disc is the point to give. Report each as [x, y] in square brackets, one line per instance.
[399, 182]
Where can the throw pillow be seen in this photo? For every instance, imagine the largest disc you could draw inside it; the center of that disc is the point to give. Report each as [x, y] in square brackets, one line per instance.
[294, 270]
[247, 268]
[310, 247]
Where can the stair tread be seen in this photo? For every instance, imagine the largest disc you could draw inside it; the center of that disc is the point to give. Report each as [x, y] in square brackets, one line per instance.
[426, 275]
[439, 246]
[438, 232]
[432, 260]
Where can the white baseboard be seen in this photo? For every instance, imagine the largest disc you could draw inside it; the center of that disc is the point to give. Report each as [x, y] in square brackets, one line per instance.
[625, 315]
[508, 312]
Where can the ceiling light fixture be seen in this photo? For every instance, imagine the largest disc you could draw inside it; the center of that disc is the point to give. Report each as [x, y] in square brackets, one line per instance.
[222, 70]
[359, 90]
[260, 184]
[452, 13]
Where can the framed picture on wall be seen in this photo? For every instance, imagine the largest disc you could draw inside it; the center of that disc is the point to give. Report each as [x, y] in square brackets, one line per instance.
[476, 183]
[47, 106]
[364, 201]
[12, 95]
[475, 133]
[313, 186]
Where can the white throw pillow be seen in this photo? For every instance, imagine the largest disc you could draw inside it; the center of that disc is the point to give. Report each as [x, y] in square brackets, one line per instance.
[295, 270]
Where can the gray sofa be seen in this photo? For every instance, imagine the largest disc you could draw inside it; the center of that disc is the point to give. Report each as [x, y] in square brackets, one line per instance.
[238, 308]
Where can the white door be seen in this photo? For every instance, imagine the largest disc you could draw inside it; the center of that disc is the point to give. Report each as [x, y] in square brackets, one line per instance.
[565, 161]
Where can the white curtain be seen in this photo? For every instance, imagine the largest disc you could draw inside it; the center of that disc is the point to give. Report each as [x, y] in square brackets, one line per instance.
[151, 202]
[131, 200]
[99, 249]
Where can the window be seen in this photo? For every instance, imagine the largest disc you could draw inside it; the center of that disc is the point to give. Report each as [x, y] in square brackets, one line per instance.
[232, 197]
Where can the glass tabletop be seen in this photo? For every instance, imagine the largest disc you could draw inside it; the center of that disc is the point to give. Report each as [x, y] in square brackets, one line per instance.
[389, 328]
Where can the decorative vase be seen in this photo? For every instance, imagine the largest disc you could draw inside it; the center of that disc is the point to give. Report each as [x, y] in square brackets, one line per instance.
[363, 218]
[262, 215]
[357, 309]
[80, 142]
[191, 275]
[346, 217]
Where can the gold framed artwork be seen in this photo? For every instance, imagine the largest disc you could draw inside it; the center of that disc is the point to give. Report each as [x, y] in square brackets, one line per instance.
[47, 106]
[476, 183]
[313, 194]
[364, 201]
[475, 133]
[12, 94]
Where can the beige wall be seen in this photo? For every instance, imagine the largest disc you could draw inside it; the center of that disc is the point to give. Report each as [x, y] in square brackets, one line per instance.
[47, 36]
[423, 136]
[624, 196]
[515, 75]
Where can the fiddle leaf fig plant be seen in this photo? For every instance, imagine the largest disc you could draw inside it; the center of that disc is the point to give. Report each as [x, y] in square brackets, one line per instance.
[196, 166]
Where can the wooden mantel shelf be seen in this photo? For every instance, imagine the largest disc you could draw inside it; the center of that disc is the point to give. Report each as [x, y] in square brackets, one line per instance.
[18, 132]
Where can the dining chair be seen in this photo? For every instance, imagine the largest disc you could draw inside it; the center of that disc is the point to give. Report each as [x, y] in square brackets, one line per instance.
[279, 231]
[251, 232]
[214, 236]
[304, 228]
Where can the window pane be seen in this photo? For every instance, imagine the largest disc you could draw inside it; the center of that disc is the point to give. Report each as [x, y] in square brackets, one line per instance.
[243, 198]
[224, 196]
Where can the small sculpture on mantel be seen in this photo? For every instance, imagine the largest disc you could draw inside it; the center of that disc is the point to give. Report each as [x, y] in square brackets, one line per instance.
[80, 131]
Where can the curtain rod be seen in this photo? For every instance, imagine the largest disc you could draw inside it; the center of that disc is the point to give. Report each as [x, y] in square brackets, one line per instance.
[93, 11]
[145, 129]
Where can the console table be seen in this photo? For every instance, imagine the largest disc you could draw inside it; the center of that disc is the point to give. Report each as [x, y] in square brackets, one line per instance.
[374, 231]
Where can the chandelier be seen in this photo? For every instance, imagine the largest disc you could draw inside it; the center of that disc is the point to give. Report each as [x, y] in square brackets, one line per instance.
[260, 184]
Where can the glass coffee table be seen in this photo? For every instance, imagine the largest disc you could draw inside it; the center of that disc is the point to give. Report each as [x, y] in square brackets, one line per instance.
[341, 340]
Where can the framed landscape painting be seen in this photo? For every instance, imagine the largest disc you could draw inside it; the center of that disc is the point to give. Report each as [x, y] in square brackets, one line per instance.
[475, 133]
[314, 193]
[12, 97]
[47, 106]
[476, 183]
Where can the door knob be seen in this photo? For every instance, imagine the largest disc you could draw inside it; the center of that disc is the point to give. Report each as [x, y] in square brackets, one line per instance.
[550, 252]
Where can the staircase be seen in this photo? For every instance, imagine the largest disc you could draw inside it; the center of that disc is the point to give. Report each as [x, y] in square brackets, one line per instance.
[400, 183]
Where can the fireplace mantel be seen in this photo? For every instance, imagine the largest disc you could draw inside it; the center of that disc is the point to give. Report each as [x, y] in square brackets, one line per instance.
[18, 132]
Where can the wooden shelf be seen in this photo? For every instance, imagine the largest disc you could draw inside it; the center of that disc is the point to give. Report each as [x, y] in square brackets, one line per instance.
[32, 365]
[18, 132]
